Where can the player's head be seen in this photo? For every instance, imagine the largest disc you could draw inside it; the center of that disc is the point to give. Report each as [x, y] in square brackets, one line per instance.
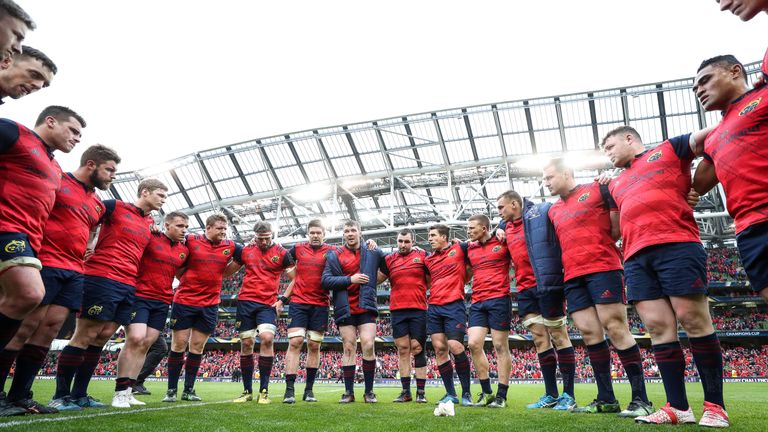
[438, 236]
[60, 127]
[151, 194]
[352, 234]
[263, 231]
[315, 232]
[510, 205]
[216, 227]
[30, 71]
[621, 145]
[558, 177]
[478, 227]
[719, 81]
[744, 9]
[405, 241]
[100, 164]
[176, 225]
[14, 24]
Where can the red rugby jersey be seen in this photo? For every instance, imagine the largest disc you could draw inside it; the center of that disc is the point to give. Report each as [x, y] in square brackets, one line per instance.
[651, 195]
[162, 258]
[408, 278]
[29, 179]
[583, 224]
[124, 235]
[310, 262]
[490, 269]
[262, 273]
[350, 265]
[75, 213]
[448, 274]
[518, 251]
[738, 146]
[200, 285]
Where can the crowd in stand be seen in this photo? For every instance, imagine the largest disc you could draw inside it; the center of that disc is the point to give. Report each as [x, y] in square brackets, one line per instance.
[724, 265]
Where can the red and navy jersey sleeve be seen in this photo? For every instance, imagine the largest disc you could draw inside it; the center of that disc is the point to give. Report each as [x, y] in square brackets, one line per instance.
[681, 145]
[608, 200]
[109, 208]
[9, 134]
[288, 260]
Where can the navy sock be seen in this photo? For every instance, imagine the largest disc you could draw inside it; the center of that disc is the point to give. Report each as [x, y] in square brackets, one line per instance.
[8, 328]
[406, 383]
[191, 366]
[502, 392]
[122, 383]
[632, 362]
[600, 359]
[265, 370]
[290, 380]
[446, 373]
[485, 385]
[566, 360]
[421, 383]
[671, 363]
[28, 364]
[175, 362]
[708, 356]
[246, 366]
[548, 364]
[462, 370]
[7, 357]
[84, 373]
[369, 370]
[70, 359]
[349, 378]
[311, 374]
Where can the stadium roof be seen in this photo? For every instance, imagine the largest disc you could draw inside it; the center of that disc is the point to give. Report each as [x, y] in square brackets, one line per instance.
[421, 168]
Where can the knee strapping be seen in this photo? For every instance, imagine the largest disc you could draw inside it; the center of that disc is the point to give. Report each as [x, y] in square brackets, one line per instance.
[297, 333]
[315, 336]
[248, 334]
[554, 323]
[538, 319]
[266, 328]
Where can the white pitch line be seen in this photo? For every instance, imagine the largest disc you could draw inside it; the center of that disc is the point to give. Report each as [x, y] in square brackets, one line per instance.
[104, 414]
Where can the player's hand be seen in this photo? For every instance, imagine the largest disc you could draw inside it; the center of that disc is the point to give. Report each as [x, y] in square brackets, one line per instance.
[155, 229]
[278, 305]
[371, 244]
[693, 198]
[455, 240]
[359, 278]
[500, 235]
[604, 178]
[88, 254]
[760, 82]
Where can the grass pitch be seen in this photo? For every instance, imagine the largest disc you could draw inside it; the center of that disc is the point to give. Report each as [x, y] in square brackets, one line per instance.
[745, 404]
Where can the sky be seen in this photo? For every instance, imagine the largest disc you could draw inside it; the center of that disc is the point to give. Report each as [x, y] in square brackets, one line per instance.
[161, 79]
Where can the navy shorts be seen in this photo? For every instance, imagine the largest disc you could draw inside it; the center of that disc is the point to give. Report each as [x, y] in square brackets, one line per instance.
[358, 319]
[201, 318]
[306, 316]
[153, 313]
[595, 288]
[666, 270]
[107, 300]
[410, 322]
[450, 319]
[250, 314]
[62, 287]
[15, 250]
[528, 302]
[492, 313]
[753, 249]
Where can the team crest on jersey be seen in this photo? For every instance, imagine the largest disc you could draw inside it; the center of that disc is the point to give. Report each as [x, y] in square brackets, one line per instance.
[275, 259]
[95, 310]
[452, 253]
[584, 196]
[750, 106]
[655, 156]
[496, 248]
[182, 255]
[15, 246]
[417, 260]
[98, 209]
[226, 252]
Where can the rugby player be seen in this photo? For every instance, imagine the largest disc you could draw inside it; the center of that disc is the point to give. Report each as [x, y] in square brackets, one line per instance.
[15, 22]
[586, 221]
[30, 71]
[744, 9]
[109, 289]
[665, 267]
[163, 257]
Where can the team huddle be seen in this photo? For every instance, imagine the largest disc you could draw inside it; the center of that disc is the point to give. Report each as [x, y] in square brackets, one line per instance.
[64, 249]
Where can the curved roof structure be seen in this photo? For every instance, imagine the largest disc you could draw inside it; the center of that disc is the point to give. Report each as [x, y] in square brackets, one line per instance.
[421, 168]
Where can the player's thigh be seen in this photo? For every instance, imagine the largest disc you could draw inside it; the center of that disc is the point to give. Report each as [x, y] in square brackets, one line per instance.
[150, 337]
[588, 322]
[403, 343]
[659, 319]
[48, 329]
[500, 339]
[476, 337]
[21, 283]
[197, 340]
[439, 341]
[180, 339]
[367, 332]
[693, 314]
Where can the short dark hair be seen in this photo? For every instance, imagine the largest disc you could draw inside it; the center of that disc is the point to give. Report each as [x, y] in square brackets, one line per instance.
[99, 154]
[216, 217]
[483, 219]
[262, 227]
[32, 53]
[511, 195]
[60, 113]
[442, 230]
[176, 214]
[352, 223]
[405, 232]
[150, 185]
[559, 165]
[9, 7]
[723, 61]
[621, 130]
[315, 223]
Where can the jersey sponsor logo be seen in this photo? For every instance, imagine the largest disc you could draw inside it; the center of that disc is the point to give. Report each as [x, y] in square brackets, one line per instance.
[584, 196]
[15, 246]
[95, 310]
[226, 252]
[451, 253]
[275, 259]
[654, 156]
[750, 106]
[496, 249]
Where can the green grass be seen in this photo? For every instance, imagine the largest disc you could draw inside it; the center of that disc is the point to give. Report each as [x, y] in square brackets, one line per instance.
[745, 402]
